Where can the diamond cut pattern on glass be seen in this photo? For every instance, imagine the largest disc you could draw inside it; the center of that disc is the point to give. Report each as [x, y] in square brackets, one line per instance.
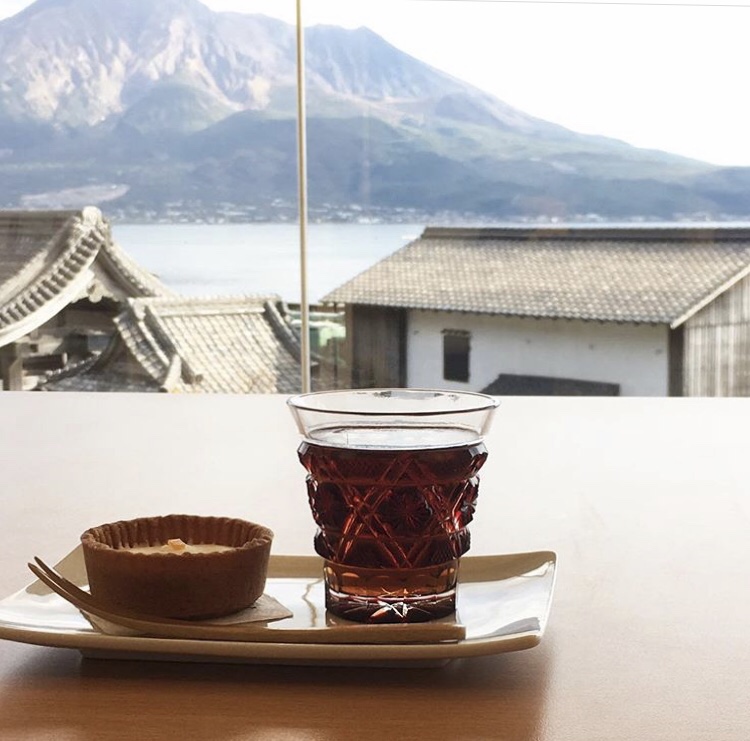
[392, 509]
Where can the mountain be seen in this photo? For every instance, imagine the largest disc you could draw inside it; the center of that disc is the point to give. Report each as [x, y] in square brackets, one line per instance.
[170, 110]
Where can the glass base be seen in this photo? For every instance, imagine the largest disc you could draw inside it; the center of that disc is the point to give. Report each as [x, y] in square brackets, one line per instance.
[391, 595]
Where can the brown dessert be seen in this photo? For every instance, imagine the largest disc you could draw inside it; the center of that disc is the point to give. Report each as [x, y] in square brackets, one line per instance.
[179, 566]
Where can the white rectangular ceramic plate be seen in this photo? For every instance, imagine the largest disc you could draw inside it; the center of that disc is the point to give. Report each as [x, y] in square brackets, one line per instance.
[503, 602]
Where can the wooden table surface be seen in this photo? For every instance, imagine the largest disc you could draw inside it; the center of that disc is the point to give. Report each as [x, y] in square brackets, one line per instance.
[645, 501]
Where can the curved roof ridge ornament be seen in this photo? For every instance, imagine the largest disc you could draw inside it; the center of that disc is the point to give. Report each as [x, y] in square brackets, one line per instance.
[173, 375]
[153, 323]
[61, 282]
[282, 329]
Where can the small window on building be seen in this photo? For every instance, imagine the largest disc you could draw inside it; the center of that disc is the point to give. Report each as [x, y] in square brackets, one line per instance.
[456, 344]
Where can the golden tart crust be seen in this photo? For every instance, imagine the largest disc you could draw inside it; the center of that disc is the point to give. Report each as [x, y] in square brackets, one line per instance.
[178, 585]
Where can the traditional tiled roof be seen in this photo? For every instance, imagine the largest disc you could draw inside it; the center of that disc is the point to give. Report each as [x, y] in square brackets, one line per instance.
[650, 275]
[193, 345]
[49, 259]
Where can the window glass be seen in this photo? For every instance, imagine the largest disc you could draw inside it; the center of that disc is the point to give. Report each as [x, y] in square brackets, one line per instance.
[456, 349]
[428, 124]
[177, 122]
[569, 168]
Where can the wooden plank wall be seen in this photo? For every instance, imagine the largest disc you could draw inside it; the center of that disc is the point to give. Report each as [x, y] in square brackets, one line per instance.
[376, 339]
[717, 346]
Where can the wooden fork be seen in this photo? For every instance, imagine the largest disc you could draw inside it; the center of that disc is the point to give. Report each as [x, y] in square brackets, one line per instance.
[158, 627]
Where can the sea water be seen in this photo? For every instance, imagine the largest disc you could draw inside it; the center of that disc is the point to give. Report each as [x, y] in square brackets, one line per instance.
[241, 259]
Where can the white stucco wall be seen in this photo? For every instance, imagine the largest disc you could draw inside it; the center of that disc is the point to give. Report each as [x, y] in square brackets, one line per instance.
[634, 356]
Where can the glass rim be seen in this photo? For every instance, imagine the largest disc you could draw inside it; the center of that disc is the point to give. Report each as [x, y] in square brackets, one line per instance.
[484, 402]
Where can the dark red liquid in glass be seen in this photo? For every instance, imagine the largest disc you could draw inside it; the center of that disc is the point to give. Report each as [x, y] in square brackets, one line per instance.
[392, 525]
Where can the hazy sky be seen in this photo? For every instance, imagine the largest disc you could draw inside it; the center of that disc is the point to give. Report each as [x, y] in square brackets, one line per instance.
[663, 75]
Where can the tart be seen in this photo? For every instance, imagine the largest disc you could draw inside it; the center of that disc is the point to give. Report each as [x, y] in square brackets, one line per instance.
[178, 566]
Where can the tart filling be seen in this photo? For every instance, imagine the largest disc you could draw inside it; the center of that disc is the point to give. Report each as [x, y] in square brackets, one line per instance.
[178, 547]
